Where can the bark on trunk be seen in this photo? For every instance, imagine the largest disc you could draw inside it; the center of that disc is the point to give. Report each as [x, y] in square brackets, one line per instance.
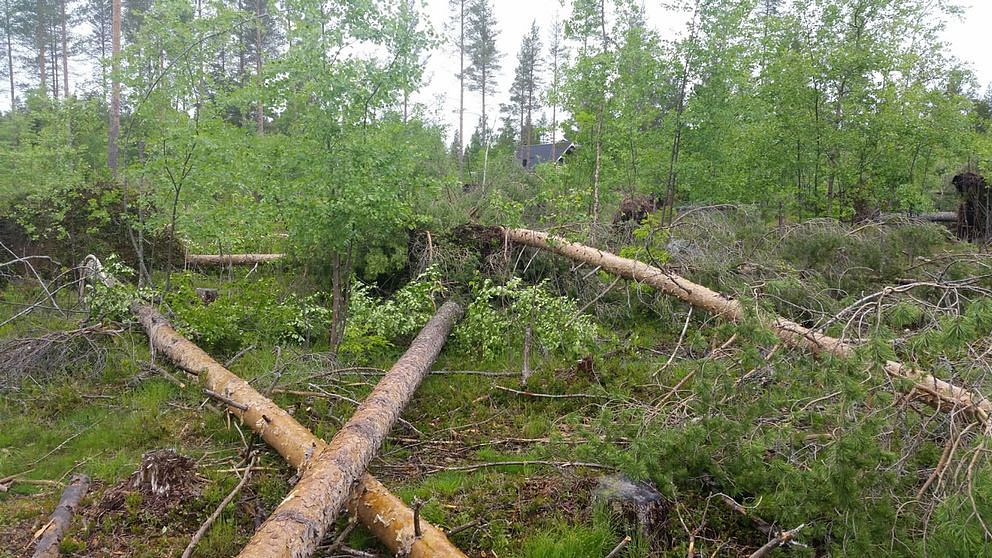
[115, 89]
[65, 49]
[231, 259]
[292, 440]
[937, 393]
[300, 522]
[54, 530]
[382, 513]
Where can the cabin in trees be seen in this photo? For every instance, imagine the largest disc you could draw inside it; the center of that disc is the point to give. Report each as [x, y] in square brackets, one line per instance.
[529, 156]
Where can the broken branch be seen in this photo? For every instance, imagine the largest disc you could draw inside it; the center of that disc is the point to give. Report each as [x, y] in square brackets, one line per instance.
[50, 536]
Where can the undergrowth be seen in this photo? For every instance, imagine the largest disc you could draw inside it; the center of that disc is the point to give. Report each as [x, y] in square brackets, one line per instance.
[698, 407]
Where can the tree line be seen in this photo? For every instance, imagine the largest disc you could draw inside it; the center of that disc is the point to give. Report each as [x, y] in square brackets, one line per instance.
[221, 123]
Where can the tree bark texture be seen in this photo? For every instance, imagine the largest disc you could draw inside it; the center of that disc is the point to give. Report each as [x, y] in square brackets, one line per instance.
[937, 393]
[115, 88]
[58, 524]
[300, 522]
[383, 514]
[231, 259]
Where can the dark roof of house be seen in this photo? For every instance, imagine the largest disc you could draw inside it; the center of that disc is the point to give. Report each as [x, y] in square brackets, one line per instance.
[532, 155]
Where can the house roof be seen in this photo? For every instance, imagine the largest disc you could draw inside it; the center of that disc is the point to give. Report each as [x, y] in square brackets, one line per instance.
[533, 155]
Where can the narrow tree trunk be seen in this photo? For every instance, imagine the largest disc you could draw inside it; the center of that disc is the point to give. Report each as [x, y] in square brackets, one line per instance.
[53, 49]
[937, 393]
[40, 39]
[52, 533]
[10, 54]
[65, 49]
[597, 165]
[259, 110]
[231, 259]
[461, 93]
[340, 279]
[115, 94]
[485, 122]
[382, 513]
[300, 522]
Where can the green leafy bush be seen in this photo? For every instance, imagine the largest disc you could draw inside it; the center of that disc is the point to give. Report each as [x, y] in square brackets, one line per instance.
[246, 312]
[375, 323]
[498, 314]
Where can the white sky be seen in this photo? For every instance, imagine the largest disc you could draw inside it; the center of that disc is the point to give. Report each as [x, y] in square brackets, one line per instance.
[440, 94]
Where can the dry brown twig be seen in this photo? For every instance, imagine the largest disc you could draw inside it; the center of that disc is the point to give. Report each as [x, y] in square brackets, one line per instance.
[220, 508]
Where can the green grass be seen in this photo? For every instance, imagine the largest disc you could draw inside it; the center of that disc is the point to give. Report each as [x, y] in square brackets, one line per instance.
[798, 439]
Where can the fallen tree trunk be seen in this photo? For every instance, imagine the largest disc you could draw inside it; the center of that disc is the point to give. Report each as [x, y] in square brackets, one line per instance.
[231, 259]
[385, 515]
[300, 522]
[940, 217]
[50, 536]
[937, 393]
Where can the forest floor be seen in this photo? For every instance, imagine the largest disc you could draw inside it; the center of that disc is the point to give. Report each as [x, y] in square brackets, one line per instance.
[701, 410]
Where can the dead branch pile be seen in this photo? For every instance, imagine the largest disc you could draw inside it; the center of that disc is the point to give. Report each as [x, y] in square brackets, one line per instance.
[48, 355]
[165, 479]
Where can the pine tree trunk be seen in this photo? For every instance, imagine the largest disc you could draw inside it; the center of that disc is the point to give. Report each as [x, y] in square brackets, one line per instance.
[461, 93]
[65, 49]
[40, 44]
[259, 110]
[300, 522]
[937, 393]
[10, 55]
[115, 94]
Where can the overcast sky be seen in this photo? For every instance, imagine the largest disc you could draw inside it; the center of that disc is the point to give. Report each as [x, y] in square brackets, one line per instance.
[967, 39]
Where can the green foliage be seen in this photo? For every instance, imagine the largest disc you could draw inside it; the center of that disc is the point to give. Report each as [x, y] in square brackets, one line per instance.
[496, 318]
[246, 312]
[375, 323]
[566, 540]
[112, 303]
[650, 241]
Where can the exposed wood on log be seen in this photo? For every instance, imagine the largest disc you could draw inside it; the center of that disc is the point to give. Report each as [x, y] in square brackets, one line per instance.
[783, 538]
[937, 393]
[385, 515]
[50, 536]
[231, 259]
[940, 217]
[300, 522]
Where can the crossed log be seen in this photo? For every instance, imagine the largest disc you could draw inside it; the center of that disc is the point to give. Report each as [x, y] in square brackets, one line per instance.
[287, 533]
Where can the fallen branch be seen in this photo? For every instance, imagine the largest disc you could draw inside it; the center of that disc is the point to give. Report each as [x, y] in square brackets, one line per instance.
[939, 394]
[300, 522]
[50, 536]
[619, 547]
[220, 508]
[558, 464]
[297, 445]
[231, 259]
[785, 537]
[551, 395]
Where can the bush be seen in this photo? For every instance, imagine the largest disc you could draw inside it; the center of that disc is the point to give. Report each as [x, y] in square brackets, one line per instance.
[496, 318]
